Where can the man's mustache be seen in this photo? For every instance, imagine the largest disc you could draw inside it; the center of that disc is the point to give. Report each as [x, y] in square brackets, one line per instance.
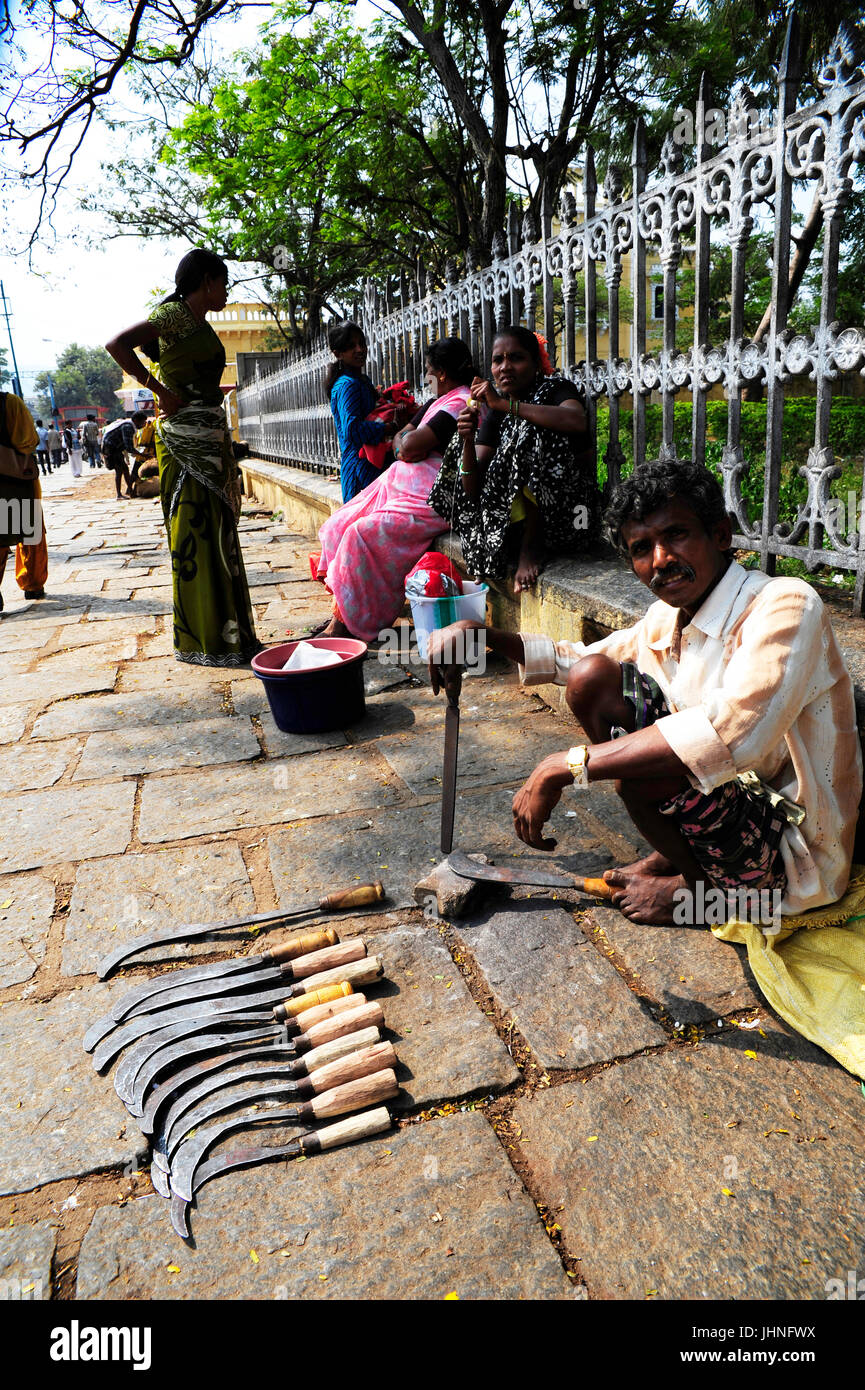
[681, 571]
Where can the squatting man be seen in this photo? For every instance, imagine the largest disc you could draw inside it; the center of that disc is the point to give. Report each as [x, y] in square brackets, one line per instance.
[725, 717]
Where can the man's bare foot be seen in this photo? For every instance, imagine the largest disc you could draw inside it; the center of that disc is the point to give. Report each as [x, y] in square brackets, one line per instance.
[648, 898]
[335, 628]
[656, 865]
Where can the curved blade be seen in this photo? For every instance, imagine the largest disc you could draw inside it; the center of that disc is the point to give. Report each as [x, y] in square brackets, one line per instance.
[160, 1050]
[160, 1181]
[180, 1216]
[449, 774]
[170, 1092]
[136, 1000]
[186, 1112]
[204, 1008]
[193, 1151]
[241, 1157]
[211, 989]
[192, 933]
[492, 873]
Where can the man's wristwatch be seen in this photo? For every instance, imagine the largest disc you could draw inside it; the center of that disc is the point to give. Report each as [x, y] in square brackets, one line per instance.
[578, 760]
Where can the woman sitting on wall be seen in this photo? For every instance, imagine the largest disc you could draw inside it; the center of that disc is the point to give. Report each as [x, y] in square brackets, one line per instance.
[352, 396]
[527, 483]
[370, 544]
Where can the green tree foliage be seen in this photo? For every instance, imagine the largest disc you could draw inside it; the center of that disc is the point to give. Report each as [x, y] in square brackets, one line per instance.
[83, 376]
[5, 370]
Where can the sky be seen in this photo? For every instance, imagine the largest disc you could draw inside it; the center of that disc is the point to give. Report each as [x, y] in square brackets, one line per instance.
[79, 285]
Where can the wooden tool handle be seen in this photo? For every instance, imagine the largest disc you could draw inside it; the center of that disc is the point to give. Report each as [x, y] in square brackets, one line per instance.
[598, 887]
[347, 1131]
[308, 1017]
[340, 1047]
[366, 1062]
[356, 1095]
[318, 961]
[310, 998]
[361, 896]
[367, 1016]
[359, 972]
[313, 941]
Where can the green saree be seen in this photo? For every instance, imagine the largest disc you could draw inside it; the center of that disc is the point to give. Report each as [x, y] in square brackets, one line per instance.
[213, 622]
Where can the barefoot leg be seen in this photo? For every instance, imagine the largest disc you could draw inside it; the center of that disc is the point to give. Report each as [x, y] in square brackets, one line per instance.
[532, 549]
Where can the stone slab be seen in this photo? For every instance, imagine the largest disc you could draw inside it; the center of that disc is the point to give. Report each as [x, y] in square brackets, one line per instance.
[116, 630]
[88, 659]
[24, 926]
[13, 719]
[202, 803]
[166, 672]
[396, 846]
[115, 901]
[26, 1253]
[248, 697]
[29, 766]
[568, 1001]
[42, 687]
[65, 824]
[135, 752]
[690, 972]
[430, 1212]
[506, 750]
[59, 1118]
[132, 710]
[20, 637]
[635, 1163]
[446, 1046]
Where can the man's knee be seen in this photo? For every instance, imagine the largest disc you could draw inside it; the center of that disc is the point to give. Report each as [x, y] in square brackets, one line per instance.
[591, 680]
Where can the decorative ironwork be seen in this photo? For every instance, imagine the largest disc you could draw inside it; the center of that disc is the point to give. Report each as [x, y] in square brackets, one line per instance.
[547, 275]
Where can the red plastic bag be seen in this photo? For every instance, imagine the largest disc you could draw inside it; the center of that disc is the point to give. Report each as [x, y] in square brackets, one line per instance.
[434, 576]
[390, 400]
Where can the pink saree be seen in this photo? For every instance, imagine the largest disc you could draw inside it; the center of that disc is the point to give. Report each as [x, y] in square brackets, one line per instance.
[371, 543]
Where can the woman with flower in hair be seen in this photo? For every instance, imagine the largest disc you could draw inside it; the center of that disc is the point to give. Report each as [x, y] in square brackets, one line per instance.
[198, 478]
[523, 485]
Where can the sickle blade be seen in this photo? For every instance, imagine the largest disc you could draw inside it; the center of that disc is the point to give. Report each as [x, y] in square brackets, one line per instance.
[197, 1118]
[493, 873]
[183, 994]
[179, 1121]
[159, 1051]
[136, 1000]
[192, 1152]
[150, 1023]
[160, 1181]
[180, 1216]
[240, 1157]
[171, 1091]
[193, 933]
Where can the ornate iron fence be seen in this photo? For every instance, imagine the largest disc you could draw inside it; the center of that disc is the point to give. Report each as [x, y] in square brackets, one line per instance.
[671, 214]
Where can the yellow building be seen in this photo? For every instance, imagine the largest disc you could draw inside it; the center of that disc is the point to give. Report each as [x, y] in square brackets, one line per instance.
[239, 327]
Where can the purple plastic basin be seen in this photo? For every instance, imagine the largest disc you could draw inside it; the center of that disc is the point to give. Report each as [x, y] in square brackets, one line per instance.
[316, 701]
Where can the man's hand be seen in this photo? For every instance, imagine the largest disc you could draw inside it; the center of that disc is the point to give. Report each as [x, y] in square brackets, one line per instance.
[446, 654]
[537, 798]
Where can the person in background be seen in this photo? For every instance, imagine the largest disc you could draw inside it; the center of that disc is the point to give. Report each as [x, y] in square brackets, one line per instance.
[369, 545]
[18, 432]
[352, 396]
[527, 484]
[41, 448]
[145, 449]
[90, 440]
[54, 445]
[72, 440]
[198, 474]
[118, 439]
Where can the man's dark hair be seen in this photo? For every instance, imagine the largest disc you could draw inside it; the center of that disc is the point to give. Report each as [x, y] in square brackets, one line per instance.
[39, 422]
[653, 484]
[91, 417]
[138, 415]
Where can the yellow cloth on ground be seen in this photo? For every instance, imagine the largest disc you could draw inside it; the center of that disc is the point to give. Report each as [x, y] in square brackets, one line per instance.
[524, 499]
[812, 971]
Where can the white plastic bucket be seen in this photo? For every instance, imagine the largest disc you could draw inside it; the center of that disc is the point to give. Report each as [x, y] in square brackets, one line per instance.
[431, 614]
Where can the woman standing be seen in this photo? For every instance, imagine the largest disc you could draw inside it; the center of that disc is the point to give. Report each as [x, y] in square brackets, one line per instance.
[370, 544]
[198, 484]
[527, 483]
[72, 440]
[352, 396]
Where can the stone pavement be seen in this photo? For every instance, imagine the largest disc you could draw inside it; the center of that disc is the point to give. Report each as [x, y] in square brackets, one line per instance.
[588, 1109]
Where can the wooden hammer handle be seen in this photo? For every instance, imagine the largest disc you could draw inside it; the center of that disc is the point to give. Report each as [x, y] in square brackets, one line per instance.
[362, 896]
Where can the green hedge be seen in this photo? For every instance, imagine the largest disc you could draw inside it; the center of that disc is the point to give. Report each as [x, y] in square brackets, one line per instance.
[846, 437]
